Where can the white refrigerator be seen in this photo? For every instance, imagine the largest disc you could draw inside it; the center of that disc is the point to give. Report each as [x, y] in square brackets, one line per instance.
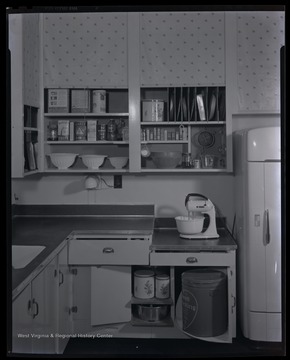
[257, 160]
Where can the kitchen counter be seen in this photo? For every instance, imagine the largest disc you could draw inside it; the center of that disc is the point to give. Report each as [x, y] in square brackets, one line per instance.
[51, 231]
[169, 240]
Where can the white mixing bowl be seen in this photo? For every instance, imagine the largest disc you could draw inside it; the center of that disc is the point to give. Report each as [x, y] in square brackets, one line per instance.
[118, 162]
[93, 162]
[62, 160]
[189, 226]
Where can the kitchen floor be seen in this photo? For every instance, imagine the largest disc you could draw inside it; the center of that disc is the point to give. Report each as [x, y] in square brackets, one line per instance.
[170, 349]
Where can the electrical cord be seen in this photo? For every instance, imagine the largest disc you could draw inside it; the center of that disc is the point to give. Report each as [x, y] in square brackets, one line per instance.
[104, 181]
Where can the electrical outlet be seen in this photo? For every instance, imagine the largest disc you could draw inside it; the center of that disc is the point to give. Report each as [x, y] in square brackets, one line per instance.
[118, 181]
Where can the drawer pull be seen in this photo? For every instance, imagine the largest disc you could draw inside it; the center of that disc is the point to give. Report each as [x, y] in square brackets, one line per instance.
[108, 250]
[191, 260]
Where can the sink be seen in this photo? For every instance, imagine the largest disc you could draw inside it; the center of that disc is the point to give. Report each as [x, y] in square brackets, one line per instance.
[22, 255]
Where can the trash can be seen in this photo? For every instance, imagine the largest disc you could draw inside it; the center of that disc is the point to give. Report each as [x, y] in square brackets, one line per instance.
[204, 302]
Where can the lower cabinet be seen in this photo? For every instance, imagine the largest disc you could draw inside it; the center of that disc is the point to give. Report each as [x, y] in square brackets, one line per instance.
[110, 294]
[33, 314]
[64, 309]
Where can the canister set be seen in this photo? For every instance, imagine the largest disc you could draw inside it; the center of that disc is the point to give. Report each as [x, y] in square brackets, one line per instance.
[148, 284]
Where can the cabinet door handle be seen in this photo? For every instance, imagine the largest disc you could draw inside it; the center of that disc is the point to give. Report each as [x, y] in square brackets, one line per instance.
[37, 308]
[29, 307]
[267, 232]
[191, 260]
[61, 278]
[108, 250]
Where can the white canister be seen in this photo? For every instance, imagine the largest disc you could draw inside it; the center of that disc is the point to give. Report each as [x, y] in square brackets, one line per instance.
[152, 110]
[99, 101]
[162, 286]
[144, 284]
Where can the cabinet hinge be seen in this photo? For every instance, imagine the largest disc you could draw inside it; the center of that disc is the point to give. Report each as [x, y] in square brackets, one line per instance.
[74, 271]
[73, 309]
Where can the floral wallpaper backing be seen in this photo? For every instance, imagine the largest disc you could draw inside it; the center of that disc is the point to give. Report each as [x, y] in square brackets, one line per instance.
[85, 50]
[182, 48]
[260, 36]
[31, 59]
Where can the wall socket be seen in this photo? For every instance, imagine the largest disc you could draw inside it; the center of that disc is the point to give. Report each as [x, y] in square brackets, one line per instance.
[118, 181]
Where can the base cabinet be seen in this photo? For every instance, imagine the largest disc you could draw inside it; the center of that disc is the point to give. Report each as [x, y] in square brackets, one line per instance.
[64, 314]
[34, 317]
[110, 294]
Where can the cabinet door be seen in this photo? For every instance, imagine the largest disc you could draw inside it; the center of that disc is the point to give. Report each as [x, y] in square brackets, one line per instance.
[22, 322]
[85, 50]
[273, 248]
[44, 290]
[64, 300]
[110, 294]
[182, 48]
[260, 36]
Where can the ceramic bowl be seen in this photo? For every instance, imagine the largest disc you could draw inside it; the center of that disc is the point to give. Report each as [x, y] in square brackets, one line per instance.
[166, 159]
[63, 160]
[188, 226]
[93, 162]
[118, 162]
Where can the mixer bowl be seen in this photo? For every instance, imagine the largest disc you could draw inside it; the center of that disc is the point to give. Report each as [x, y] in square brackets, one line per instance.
[189, 226]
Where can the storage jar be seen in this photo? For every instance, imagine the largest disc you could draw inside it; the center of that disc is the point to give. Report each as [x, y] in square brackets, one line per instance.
[144, 284]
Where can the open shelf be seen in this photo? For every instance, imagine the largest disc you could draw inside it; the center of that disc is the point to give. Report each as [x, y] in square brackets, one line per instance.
[153, 301]
[84, 115]
[86, 142]
[165, 322]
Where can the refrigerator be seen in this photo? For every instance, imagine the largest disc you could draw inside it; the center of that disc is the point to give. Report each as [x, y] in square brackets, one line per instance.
[257, 160]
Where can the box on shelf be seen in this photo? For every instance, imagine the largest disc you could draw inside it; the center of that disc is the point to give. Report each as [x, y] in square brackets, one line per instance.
[63, 130]
[91, 130]
[58, 100]
[80, 101]
[80, 130]
[71, 131]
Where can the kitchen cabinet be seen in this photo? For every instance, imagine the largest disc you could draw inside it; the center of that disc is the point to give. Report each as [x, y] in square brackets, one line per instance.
[110, 294]
[34, 315]
[24, 46]
[194, 122]
[121, 61]
[116, 114]
[182, 48]
[260, 35]
[182, 261]
[22, 322]
[64, 315]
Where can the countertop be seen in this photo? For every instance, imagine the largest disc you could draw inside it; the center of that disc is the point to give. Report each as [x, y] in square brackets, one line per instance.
[52, 231]
[169, 240]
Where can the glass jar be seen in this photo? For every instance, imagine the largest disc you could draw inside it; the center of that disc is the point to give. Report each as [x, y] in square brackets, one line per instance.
[186, 160]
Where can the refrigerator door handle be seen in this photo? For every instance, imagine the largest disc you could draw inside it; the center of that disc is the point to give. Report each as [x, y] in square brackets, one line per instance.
[267, 232]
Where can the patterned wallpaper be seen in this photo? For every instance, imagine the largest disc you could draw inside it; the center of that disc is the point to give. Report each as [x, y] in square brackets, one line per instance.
[182, 48]
[31, 60]
[85, 50]
[259, 38]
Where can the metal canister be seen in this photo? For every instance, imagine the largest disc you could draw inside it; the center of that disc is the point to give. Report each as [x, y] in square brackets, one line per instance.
[153, 110]
[111, 131]
[99, 101]
[144, 284]
[102, 131]
[162, 286]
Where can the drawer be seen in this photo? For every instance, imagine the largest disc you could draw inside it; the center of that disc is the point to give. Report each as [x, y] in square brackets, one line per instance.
[109, 252]
[192, 259]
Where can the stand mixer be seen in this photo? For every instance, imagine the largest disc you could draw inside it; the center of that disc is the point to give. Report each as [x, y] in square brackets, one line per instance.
[191, 227]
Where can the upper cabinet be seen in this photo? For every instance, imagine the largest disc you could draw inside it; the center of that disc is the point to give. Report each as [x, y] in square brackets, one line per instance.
[182, 48]
[24, 46]
[85, 50]
[260, 36]
[31, 60]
